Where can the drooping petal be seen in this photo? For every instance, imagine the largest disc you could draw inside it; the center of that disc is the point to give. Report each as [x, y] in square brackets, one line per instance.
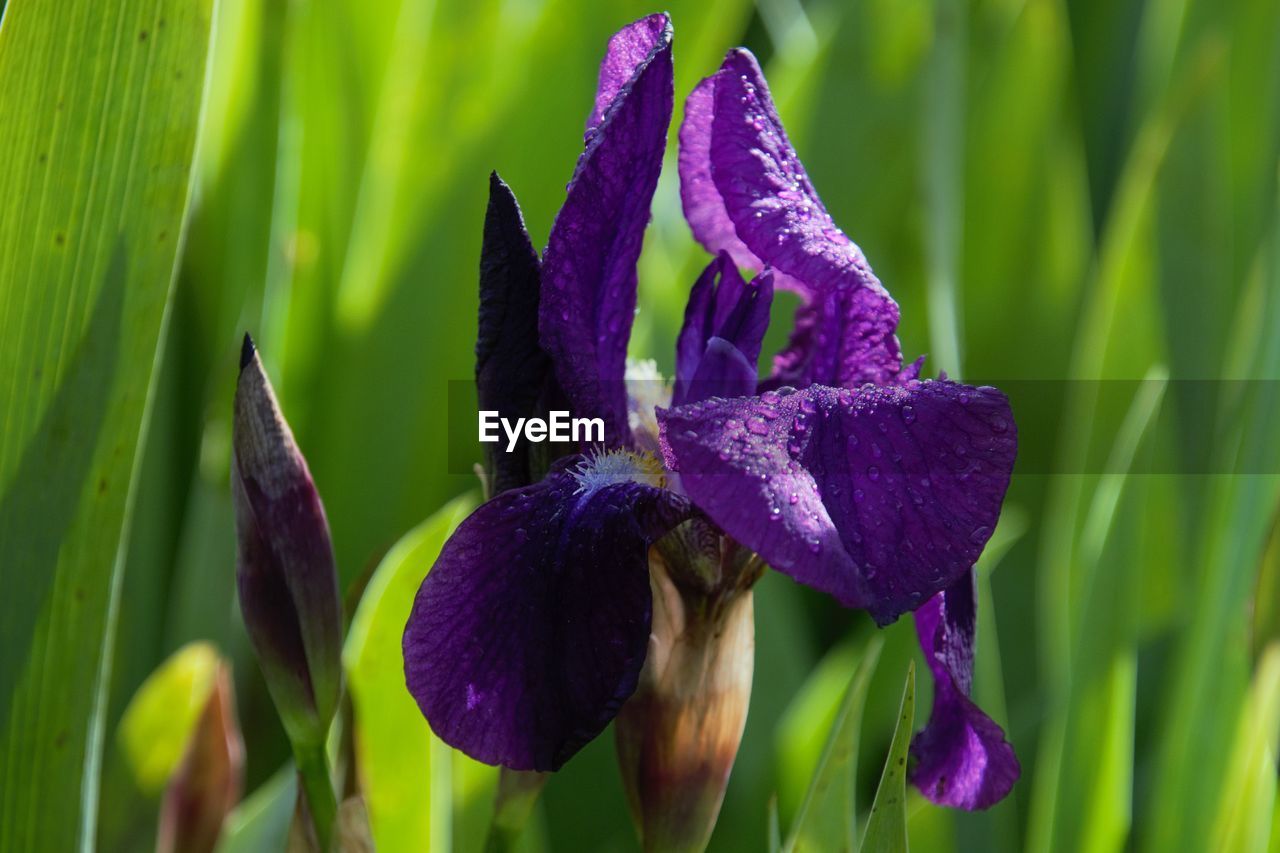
[880, 496]
[628, 49]
[529, 632]
[589, 266]
[745, 192]
[961, 757]
[513, 374]
[722, 305]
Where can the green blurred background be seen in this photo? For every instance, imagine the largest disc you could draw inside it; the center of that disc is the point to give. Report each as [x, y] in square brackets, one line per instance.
[1051, 189]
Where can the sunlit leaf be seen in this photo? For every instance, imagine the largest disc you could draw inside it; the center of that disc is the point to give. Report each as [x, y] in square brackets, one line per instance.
[99, 104]
[1248, 797]
[405, 771]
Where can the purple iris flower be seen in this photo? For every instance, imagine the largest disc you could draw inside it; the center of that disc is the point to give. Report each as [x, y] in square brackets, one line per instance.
[842, 469]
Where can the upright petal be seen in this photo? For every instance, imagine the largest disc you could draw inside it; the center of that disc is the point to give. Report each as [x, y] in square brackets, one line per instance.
[961, 757]
[881, 496]
[629, 48]
[745, 192]
[589, 267]
[722, 306]
[530, 631]
[513, 374]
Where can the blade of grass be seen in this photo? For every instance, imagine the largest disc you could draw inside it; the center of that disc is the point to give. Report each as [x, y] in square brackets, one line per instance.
[1248, 796]
[886, 830]
[827, 818]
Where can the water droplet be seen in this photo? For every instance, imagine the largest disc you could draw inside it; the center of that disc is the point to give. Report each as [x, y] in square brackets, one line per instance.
[793, 499]
[979, 535]
[874, 473]
[999, 424]
[775, 513]
[757, 426]
[807, 405]
[859, 495]
[815, 545]
[908, 414]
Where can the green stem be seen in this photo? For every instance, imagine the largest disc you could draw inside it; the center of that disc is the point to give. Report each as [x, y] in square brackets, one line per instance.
[515, 798]
[313, 773]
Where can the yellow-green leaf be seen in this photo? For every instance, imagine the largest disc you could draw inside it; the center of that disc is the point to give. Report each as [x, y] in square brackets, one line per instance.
[405, 770]
[99, 105]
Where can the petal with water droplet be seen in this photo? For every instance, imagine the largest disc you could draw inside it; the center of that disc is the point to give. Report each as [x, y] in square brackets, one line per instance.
[746, 193]
[855, 474]
[521, 649]
[589, 267]
[961, 757]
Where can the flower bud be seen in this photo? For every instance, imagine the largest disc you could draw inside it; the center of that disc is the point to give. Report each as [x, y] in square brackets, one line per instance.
[207, 783]
[285, 569]
[678, 735]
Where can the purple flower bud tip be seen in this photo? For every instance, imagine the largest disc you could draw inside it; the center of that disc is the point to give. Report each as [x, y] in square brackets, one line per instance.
[247, 351]
[285, 568]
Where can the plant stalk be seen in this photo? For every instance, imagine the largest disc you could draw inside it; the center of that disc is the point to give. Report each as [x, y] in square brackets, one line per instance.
[317, 786]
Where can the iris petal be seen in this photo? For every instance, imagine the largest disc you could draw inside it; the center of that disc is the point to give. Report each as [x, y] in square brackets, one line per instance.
[589, 267]
[721, 305]
[628, 50]
[961, 757]
[745, 192]
[513, 374]
[530, 631]
[881, 496]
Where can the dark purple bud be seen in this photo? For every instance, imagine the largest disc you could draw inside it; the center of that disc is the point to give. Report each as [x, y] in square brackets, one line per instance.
[514, 376]
[284, 564]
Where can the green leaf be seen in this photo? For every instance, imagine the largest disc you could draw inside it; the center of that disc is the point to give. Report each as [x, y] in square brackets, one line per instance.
[158, 723]
[406, 771]
[261, 821]
[887, 824]
[829, 808]
[1248, 797]
[99, 106]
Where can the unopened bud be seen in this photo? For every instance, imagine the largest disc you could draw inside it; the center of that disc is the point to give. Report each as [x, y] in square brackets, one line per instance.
[207, 783]
[679, 733]
[285, 568]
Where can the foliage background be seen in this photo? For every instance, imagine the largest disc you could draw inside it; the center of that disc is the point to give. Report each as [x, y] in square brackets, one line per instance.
[1052, 189]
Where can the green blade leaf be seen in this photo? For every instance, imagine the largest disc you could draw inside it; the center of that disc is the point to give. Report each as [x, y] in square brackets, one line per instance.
[1248, 797]
[99, 106]
[887, 823]
[406, 771]
[829, 808]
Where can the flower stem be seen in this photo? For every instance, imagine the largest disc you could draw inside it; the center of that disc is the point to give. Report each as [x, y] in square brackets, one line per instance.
[313, 773]
[516, 795]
